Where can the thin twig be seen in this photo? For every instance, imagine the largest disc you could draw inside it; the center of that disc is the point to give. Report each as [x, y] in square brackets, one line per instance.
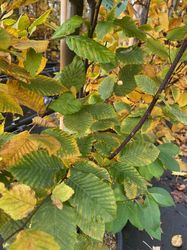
[162, 87]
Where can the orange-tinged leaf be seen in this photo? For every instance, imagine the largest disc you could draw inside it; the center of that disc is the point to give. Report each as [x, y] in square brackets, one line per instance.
[17, 202]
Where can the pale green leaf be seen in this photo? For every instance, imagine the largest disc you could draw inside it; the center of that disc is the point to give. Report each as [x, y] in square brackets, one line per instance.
[106, 87]
[178, 33]
[68, 27]
[62, 192]
[130, 55]
[161, 196]
[146, 84]
[157, 48]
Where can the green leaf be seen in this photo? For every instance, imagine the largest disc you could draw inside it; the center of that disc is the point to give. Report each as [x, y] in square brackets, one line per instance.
[175, 112]
[129, 27]
[40, 20]
[66, 104]
[139, 153]
[157, 48]
[85, 144]
[102, 28]
[123, 173]
[68, 27]
[154, 169]
[166, 156]
[9, 104]
[32, 62]
[73, 74]
[169, 148]
[86, 243]
[161, 196]
[85, 166]
[146, 84]
[103, 125]
[38, 169]
[59, 223]
[5, 40]
[93, 198]
[177, 33]
[120, 221]
[130, 55]
[128, 124]
[89, 49]
[101, 111]
[106, 87]
[93, 228]
[37, 240]
[79, 122]
[69, 147]
[45, 86]
[127, 76]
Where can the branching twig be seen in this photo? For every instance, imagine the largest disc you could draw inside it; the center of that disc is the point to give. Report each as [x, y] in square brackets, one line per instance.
[154, 101]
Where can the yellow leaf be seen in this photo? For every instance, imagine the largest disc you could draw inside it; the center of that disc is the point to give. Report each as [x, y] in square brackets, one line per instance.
[131, 189]
[164, 21]
[61, 193]
[16, 148]
[182, 101]
[17, 202]
[39, 46]
[8, 104]
[47, 121]
[42, 65]
[20, 94]
[34, 240]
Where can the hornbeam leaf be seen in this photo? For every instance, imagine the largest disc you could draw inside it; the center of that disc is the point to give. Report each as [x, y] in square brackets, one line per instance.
[123, 173]
[14, 70]
[17, 202]
[9, 104]
[106, 87]
[101, 111]
[59, 223]
[38, 169]
[73, 74]
[40, 20]
[18, 3]
[79, 122]
[5, 40]
[69, 147]
[177, 33]
[68, 27]
[93, 198]
[89, 49]
[139, 153]
[62, 192]
[130, 55]
[32, 62]
[157, 48]
[146, 84]
[66, 104]
[45, 86]
[20, 93]
[38, 45]
[34, 240]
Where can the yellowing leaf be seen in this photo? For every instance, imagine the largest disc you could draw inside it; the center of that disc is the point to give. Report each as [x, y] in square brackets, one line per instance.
[182, 101]
[131, 189]
[17, 202]
[8, 104]
[62, 193]
[45, 141]
[14, 149]
[42, 65]
[39, 46]
[34, 240]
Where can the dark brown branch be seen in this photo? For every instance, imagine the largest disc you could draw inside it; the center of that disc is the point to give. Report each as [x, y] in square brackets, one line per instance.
[145, 12]
[95, 19]
[162, 87]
